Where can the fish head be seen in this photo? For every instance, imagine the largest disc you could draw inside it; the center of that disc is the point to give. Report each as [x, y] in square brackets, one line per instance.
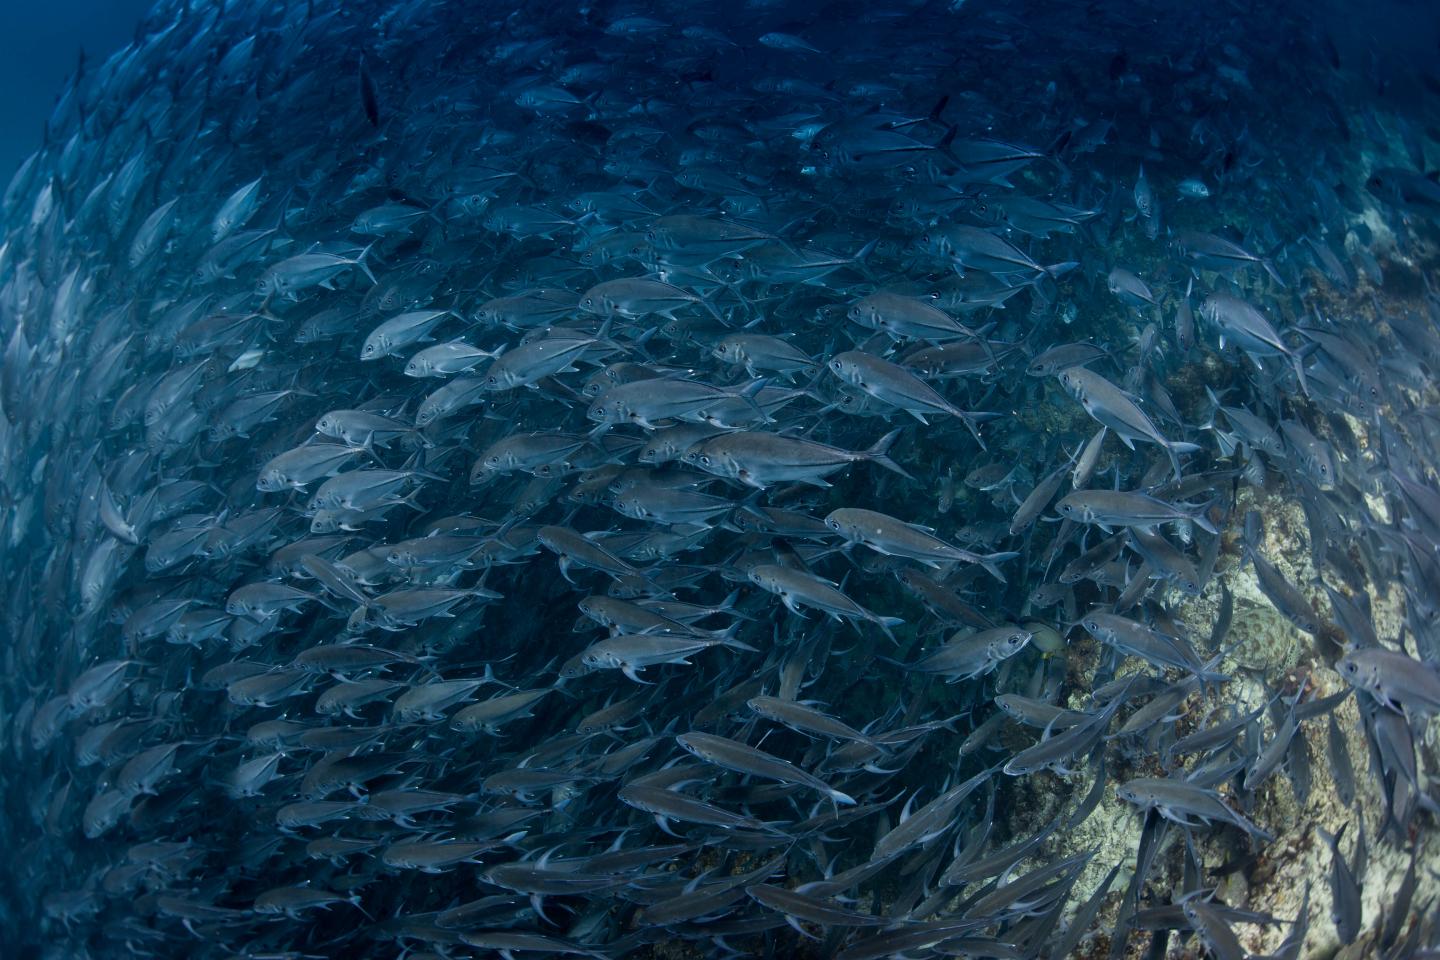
[1013, 642]
[1357, 672]
[930, 242]
[1131, 794]
[325, 521]
[572, 668]
[630, 507]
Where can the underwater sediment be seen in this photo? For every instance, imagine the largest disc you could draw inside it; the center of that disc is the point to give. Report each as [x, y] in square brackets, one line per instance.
[678, 480]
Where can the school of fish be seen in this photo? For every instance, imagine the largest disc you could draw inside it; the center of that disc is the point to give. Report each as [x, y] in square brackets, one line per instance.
[681, 480]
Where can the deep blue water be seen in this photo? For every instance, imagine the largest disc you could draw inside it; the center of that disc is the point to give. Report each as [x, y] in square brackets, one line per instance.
[39, 45]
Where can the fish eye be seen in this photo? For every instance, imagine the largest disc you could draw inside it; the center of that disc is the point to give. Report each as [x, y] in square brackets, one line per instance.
[705, 460]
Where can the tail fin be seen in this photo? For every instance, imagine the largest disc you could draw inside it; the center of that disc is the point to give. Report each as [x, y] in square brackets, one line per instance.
[989, 561]
[879, 454]
[360, 262]
[886, 624]
[1203, 522]
[750, 391]
[1297, 357]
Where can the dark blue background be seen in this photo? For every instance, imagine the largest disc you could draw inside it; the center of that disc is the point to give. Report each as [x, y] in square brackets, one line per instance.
[39, 41]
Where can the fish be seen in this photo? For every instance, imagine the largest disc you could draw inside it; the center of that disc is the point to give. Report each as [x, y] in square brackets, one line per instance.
[1344, 888]
[895, 386]
[966, 656]
[886, 535]
[1340, 767]
[1285, 596]
[634, 652]
[1394, 679]
[1248, 328]
[795, 588]
[736, 756]
[1213, 929]
[805, 718]
[1127, 508]
[1193, 188]
[1138, 639]
[1111, 407]
[1184, 803]
[762, 459]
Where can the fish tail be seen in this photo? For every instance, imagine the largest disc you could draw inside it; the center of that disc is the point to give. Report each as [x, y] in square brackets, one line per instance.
[1297, 358]
[879, 454]
[972, 423]
[887, 625]
[360, 262]
[990, 564]
[1270, 269]
[1202, 521]
[1174, 459]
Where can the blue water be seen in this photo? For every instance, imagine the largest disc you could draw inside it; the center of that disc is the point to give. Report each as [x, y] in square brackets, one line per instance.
[39, 45]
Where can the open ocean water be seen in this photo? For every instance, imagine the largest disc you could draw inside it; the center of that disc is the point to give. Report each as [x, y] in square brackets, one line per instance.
[679, 480]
